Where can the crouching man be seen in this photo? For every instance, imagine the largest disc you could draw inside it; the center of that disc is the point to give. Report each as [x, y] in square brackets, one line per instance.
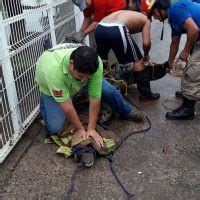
[114, 32]
[61, 73]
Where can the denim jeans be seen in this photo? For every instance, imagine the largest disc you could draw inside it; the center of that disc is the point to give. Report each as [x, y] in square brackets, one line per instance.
[55, 118]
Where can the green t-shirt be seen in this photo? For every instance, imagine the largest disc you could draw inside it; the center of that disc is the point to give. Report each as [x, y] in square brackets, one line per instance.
[54, 79]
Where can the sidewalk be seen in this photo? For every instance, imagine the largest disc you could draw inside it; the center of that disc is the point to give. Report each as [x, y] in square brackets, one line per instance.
[162, 164]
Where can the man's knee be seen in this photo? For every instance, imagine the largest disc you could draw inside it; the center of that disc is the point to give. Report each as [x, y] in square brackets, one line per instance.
[54, 128]
[55, 125]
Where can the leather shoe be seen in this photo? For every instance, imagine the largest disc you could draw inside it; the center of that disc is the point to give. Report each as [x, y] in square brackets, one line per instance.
[181, 114]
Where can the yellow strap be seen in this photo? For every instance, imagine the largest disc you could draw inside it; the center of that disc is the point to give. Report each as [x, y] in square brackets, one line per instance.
[110, 144]
[56, 139]
[42, 122]
[63, 150]
[66, 140]
[48, 140]
[66, 151]
[78, 142]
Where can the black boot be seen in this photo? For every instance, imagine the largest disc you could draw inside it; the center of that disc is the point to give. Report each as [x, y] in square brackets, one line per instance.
[143, 85]
[179, 94]
[185, 111]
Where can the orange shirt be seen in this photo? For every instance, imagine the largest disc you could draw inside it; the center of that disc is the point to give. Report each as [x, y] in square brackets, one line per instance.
[102, 8]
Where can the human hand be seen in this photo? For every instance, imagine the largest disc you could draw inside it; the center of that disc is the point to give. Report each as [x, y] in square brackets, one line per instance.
[97, 138]
[79, 37]
[181, 64]
[83, 134]
[184, 55]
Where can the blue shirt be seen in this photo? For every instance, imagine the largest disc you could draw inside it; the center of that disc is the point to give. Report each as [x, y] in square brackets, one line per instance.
[179, 12]
[198, 1]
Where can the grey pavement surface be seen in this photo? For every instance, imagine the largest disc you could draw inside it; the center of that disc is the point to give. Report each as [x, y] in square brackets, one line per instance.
[34, 171]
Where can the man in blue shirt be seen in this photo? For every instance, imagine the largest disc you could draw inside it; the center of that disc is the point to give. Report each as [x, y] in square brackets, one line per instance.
[184, 17]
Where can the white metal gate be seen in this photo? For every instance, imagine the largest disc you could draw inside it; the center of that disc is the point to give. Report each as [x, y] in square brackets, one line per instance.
[26, 29]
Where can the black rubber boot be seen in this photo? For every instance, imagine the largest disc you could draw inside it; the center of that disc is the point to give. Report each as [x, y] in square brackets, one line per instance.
[185, 111]
[143, 85]
[179, 94]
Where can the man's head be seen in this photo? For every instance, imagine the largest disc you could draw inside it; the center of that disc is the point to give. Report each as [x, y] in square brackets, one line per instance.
[156, 8]
[83, 62]
[82, 4]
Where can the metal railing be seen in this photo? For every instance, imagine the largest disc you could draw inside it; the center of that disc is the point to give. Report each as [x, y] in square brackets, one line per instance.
[25, 31]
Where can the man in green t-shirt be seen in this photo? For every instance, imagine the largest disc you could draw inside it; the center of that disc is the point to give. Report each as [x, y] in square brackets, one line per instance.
[61, 73]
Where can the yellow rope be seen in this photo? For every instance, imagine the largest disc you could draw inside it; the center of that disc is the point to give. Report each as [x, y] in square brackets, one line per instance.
[111, 78]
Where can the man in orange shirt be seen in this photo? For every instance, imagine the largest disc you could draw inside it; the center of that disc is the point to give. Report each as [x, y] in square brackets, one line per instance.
[94, 11]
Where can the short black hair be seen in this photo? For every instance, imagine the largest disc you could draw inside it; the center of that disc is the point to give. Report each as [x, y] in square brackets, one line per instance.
[160, 5]
[85, 60]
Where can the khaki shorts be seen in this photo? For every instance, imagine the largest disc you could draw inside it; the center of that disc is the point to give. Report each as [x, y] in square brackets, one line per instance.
[191, 75]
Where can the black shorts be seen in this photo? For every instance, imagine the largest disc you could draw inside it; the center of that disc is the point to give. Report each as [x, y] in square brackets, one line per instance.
[116, 36]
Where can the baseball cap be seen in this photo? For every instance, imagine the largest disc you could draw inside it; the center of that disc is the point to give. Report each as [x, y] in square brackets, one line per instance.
[80, 3]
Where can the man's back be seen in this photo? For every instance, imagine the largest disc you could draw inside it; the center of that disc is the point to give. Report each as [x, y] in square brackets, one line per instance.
[135, 21]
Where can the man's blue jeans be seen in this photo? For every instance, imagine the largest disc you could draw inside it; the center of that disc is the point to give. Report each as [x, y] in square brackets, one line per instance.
[55, 118]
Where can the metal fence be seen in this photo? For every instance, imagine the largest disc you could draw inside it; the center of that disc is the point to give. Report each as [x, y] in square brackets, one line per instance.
[26, 29]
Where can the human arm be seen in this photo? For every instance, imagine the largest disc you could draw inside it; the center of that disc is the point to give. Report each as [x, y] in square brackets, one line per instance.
[87, 27]
[146, 38]
[131, 4]
[94, 91]
[98, 12]
[181, 21]
[86, 23]
[93, 112]
[173, 49]
[71, 114]
[80, 36]
[93, 116]
[192, 34]
[90, 28]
